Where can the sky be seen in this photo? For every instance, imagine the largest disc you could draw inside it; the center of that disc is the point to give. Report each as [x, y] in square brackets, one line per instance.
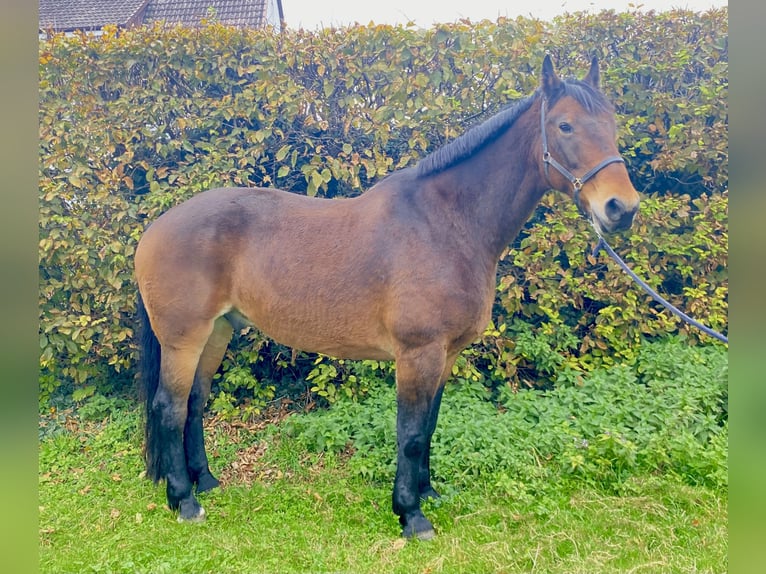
[314, 14]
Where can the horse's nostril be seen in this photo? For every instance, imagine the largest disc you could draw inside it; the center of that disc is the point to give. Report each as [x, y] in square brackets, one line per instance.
[619, 215]
[615, 209]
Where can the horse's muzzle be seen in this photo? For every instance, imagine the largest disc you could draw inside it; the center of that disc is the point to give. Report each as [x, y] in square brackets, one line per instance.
[617, 216]
[620, 216]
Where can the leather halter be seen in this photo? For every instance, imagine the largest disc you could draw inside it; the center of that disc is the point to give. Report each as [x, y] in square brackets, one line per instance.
[577, 182]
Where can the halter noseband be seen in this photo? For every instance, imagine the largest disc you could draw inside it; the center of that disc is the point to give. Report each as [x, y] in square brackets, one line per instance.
[577, 182]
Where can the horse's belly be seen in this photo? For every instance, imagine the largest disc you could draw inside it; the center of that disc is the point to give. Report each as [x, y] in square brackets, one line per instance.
[343, 335]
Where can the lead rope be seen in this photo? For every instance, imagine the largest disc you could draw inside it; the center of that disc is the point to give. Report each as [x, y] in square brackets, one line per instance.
[656, 296]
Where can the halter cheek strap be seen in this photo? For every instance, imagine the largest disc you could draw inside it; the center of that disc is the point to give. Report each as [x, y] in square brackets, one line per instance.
[577, 182]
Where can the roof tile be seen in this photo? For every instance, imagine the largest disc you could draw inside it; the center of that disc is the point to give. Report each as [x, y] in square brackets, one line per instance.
[69, 15]
[87, 14]
[191, 12]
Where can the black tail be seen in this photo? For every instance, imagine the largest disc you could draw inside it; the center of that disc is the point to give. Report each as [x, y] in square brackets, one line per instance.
[149, 381]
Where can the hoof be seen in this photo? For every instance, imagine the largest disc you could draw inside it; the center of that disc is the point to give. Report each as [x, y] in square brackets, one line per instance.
[426, 535]
[191, 511]
[418, 527]
[207, 482]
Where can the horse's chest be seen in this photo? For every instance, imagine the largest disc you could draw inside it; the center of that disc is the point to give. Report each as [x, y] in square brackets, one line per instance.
[475, 318]
[453, 308]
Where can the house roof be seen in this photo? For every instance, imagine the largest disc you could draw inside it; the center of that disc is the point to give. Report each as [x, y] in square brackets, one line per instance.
[66, 15]
[246, 13]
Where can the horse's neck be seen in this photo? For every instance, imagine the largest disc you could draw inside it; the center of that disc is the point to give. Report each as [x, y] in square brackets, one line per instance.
[496, 190]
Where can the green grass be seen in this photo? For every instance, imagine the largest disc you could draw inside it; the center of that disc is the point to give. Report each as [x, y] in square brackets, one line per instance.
[94, 519]
[310, 514]
[625, 474]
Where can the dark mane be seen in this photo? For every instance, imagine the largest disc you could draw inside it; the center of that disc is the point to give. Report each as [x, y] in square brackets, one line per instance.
[474, 139]
[486, 132]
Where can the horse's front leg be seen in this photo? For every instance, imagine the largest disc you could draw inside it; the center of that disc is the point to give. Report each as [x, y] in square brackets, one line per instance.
[425, 488]
[418, 385]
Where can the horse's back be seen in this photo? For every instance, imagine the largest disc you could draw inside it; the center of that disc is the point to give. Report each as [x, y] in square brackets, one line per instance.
[303, 270]
[346, 277]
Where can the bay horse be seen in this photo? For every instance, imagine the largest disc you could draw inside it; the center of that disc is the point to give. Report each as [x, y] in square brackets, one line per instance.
[405, 272]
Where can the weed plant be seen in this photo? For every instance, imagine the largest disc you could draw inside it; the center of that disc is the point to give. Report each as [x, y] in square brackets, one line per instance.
[664, 414]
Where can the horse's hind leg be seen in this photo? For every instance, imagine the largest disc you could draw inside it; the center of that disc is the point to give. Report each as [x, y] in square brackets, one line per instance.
[194, 443]
[166, 421]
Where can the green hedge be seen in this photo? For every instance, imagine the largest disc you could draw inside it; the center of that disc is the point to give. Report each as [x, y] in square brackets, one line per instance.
[133, 122]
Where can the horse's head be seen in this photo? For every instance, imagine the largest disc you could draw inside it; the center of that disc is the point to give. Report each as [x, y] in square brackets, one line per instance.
[580, 153]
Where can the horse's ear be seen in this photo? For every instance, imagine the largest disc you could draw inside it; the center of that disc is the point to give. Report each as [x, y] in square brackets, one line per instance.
[594, 76]
[550, 81]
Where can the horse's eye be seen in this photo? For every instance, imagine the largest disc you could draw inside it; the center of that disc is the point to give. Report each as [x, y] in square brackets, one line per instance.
[565, 128]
